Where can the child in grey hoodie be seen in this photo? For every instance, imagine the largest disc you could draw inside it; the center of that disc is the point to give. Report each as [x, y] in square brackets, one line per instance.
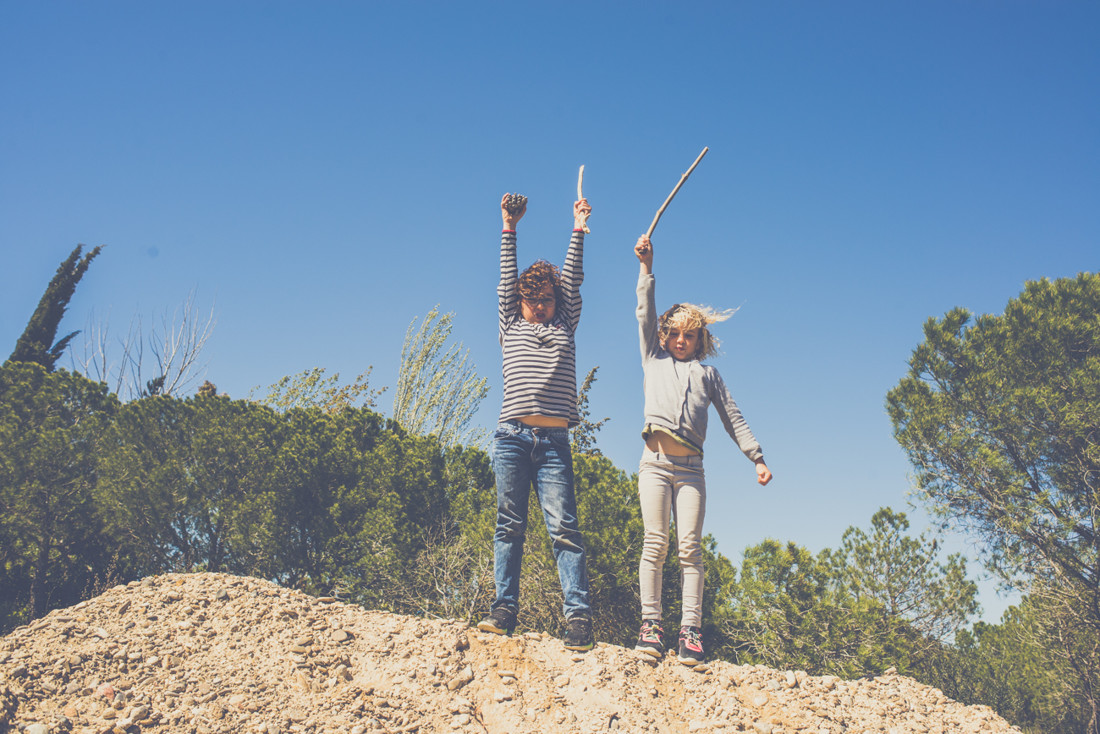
[679, 389]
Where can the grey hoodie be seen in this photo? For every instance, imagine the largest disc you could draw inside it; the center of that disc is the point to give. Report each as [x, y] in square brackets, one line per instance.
[677, 394]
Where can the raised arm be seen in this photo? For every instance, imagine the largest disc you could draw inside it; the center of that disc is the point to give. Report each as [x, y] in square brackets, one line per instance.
[647, 300]
[572, 272]
[507, 299]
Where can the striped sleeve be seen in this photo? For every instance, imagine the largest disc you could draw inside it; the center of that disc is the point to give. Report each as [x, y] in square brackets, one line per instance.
[572, 275]
[507, 298]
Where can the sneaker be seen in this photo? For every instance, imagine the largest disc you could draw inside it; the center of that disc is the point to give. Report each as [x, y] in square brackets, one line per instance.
[691, 646]
[578, 633]
[501, 621]
[651, 638]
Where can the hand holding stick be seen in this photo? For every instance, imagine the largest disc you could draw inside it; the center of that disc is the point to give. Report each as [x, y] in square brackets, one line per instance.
[644, 251]
[683, 178]
[580, 197]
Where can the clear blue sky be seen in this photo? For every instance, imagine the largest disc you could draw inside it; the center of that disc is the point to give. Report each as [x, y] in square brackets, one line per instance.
[322, 173]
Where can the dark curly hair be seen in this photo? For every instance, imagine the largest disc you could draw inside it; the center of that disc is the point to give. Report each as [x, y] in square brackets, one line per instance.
[536, 277]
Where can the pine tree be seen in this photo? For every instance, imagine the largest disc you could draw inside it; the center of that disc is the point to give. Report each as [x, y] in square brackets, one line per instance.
[34, 344]
[584, 433]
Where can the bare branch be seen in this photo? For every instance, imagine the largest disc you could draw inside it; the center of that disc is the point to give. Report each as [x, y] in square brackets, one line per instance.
[169, 353]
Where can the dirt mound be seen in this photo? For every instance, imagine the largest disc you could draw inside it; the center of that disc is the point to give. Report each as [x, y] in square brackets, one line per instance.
[204, 653]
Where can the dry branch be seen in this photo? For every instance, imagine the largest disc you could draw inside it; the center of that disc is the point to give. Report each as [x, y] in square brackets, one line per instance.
[683, 178]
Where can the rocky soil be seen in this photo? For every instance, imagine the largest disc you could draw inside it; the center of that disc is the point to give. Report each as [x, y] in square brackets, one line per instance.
[205, 653]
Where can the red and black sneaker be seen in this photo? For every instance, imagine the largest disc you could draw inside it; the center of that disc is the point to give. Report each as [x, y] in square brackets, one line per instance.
[691, 646]
[651, 638]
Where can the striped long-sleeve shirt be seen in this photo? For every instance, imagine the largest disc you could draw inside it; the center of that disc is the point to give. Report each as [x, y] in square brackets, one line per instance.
[540, 360]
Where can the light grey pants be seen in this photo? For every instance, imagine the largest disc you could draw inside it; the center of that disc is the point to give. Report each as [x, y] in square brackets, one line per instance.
[676, 486]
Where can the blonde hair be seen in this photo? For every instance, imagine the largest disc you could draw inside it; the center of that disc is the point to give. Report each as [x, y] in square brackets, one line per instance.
[685, 316]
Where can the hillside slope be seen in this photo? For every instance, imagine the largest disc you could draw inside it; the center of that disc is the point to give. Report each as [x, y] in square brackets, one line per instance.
[204, 653]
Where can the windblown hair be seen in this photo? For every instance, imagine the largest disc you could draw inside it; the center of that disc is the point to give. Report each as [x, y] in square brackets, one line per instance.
[535, 278]
[689, 316]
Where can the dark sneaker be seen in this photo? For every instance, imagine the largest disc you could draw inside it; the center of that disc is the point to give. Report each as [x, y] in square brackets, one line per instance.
[651, 638]
[578, 634]
[501, 621]
[691, 646]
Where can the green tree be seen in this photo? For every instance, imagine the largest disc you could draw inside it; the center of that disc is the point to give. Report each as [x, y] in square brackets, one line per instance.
[188, 484]
[611, 521]
[720, 584]
[438, 391]
[313, 389]
[37, 344]
[904, 576]
[363, 508]
[1005, 666]
[884, 599]
[318, 463]
[782, 614]
[51, 538]
[583, 439]
[387, 519]
[456, 564]
[453, 572]
[1000, 417]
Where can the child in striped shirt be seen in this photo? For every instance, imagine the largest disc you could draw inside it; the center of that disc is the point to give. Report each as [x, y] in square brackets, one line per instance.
[539, 311]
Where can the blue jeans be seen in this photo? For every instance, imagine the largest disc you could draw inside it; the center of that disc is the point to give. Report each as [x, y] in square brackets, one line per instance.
[522, 456]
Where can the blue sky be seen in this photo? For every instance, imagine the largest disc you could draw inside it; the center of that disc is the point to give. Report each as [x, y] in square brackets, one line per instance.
[321, 174]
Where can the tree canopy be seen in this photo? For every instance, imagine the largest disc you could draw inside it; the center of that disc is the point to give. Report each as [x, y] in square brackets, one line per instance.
[315, 490]
[438, 391]
[883, 599]
[904, 576]
[1000, 417]
[50, 532]
[311, 388]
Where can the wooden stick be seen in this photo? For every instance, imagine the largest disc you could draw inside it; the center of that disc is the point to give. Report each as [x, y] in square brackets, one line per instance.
[678, 185]
[580, 195]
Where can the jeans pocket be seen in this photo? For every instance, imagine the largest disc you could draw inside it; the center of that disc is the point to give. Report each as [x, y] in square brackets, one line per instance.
[560, 440]
[653, 462]
[505, 430]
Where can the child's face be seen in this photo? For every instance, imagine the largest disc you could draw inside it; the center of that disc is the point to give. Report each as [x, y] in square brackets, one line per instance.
[682, 344]
[541, 308]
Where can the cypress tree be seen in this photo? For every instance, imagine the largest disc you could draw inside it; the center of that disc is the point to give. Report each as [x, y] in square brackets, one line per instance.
[34, 344]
